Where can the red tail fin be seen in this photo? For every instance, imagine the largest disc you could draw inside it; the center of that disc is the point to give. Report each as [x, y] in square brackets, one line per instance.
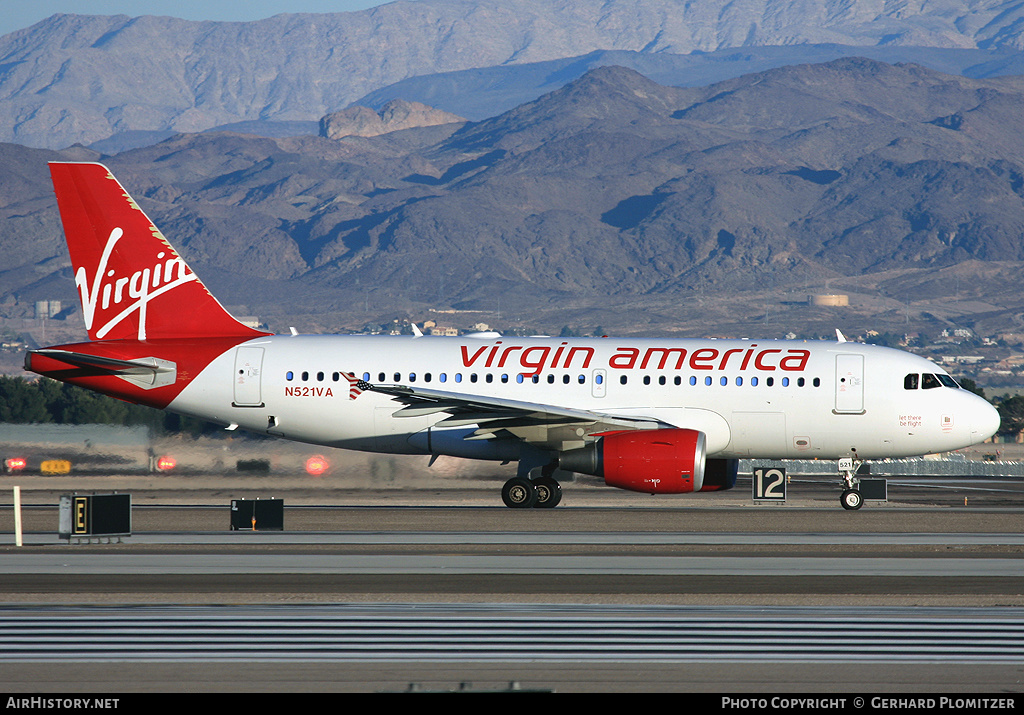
[132, 283]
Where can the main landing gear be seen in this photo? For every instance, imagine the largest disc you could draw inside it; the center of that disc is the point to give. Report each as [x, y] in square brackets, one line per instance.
[542, 491]
[851, 498]
[526, 493]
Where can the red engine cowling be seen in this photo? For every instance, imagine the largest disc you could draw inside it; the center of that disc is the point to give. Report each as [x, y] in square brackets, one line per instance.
[663, 461]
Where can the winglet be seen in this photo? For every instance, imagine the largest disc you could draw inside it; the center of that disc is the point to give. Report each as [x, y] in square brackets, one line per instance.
[840, 337]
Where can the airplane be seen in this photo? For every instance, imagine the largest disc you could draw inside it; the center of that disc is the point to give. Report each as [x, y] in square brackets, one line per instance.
[649, 415]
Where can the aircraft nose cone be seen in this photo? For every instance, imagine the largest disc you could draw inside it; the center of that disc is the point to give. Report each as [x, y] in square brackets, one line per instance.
[984, 420]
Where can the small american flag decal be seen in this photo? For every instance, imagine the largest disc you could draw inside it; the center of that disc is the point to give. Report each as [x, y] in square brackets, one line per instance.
[356, 386]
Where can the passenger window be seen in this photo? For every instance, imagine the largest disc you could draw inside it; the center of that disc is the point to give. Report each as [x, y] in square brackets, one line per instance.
[910, 381]
[622, 380]
[289, 375]
[305, 376]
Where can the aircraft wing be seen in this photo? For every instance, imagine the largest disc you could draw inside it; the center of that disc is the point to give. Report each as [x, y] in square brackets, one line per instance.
[542, 425]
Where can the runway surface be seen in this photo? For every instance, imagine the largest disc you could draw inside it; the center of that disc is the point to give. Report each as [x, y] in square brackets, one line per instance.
[606, 593]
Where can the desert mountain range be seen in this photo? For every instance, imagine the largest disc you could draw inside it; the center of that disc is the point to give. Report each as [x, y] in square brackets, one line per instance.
[606, 197]
[612, 187]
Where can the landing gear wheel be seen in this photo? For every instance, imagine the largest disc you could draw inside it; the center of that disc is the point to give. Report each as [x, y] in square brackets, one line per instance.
[851, 499]
[519, 493]
[549, 493]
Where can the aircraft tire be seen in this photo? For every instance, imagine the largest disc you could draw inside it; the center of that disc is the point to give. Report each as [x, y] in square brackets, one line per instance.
[851, 500]
[549, 493]
[519, 493]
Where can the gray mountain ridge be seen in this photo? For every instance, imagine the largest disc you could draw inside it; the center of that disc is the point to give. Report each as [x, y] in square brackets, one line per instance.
[485, 92]
[81, 79]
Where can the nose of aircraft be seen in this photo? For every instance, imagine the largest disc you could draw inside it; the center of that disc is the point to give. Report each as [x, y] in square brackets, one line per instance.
[984, 419]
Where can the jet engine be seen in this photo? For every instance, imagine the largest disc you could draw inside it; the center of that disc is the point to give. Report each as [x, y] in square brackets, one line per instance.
[662, 461]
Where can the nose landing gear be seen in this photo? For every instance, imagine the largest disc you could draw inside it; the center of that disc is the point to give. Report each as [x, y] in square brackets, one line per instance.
[851, 498]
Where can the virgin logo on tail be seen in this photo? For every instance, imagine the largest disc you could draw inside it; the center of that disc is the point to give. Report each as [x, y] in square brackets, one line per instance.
[123, 263]
[109, 291]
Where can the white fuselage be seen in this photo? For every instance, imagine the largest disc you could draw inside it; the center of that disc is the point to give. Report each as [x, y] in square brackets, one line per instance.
[758, 399]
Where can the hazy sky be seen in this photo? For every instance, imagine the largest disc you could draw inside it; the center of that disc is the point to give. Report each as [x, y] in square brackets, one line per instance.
[16, 14]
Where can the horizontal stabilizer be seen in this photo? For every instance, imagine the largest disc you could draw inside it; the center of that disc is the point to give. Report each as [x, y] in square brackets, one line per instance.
[147, 372]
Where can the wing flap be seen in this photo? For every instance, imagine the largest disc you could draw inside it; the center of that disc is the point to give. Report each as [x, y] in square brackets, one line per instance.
[542, 425]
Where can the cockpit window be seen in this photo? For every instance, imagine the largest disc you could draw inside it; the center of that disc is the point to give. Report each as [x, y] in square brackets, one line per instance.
[927, 381]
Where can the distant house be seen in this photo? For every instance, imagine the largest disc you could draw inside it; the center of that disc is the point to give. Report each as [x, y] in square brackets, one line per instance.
[442, 330]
